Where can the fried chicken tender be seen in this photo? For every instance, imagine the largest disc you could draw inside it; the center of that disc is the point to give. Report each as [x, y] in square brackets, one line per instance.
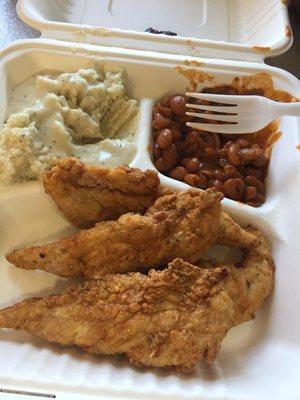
[87, 194]
[232, 234]
[249, 282]
[184, 225]
[171, 318]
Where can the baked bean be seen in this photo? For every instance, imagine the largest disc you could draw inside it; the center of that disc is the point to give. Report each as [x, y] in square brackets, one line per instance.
[233, 154]
[192, 165]
[210, 183]
[176, 133]
[253, 171]
[183, 161]
[208, 90]
[212, 140]
[194, 143]
[247, 154]
[190, 150]
[178, 173]
[202, 102]
[260, 198]
[180, 146]
[210, 153]
[177, 105]
[233, 164]
[160, 122]
[202, 181]
[164, 111]
[155, 133]
[222, 153]
[252, 181]
[168, 159]
[261, 161]
[160, 164]
[228, 143]
[218, 185]
[219, 174]
[164, 139]
[216, 140]
[250, 154]
[223, 162]
[208, 173]
[250, 193]
[255, 146]
[234, 188]
[192, 179]
[182, 119]
[231, 172]
[243, 142]
[157, 152]
[165, 102]
[193, 137]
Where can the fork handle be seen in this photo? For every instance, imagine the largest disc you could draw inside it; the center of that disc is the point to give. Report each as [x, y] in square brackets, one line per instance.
[288, 109]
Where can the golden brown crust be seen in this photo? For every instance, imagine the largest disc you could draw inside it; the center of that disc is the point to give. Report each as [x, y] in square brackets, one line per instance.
[232, 234]
[171, 318]
[182, 225]
[123, 178]
[87, 194]
[250, 282]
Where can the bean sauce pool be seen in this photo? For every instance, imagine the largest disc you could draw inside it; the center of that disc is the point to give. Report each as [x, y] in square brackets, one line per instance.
[235, 165]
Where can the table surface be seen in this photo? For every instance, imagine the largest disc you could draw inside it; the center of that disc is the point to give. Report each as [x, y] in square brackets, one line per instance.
[12, 28]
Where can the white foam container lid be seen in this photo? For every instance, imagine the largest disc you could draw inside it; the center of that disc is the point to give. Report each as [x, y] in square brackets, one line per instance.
[260, 359]
[227, 29]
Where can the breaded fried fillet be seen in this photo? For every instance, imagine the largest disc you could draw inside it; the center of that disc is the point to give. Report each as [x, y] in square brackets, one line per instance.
[171, 318]
[232, 234]
[183, 224]
[87, 194]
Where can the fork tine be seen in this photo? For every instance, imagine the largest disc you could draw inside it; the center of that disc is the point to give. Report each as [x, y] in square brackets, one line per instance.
[214, 117]
[231, 110]
[217, 98]
[218, 128]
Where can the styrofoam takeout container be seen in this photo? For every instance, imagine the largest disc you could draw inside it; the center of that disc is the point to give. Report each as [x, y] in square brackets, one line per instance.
[259, 359]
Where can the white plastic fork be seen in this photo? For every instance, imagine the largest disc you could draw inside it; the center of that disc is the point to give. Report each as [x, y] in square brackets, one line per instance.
[243, 114]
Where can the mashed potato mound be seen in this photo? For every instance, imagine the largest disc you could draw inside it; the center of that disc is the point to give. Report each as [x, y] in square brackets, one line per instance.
[74, 114]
